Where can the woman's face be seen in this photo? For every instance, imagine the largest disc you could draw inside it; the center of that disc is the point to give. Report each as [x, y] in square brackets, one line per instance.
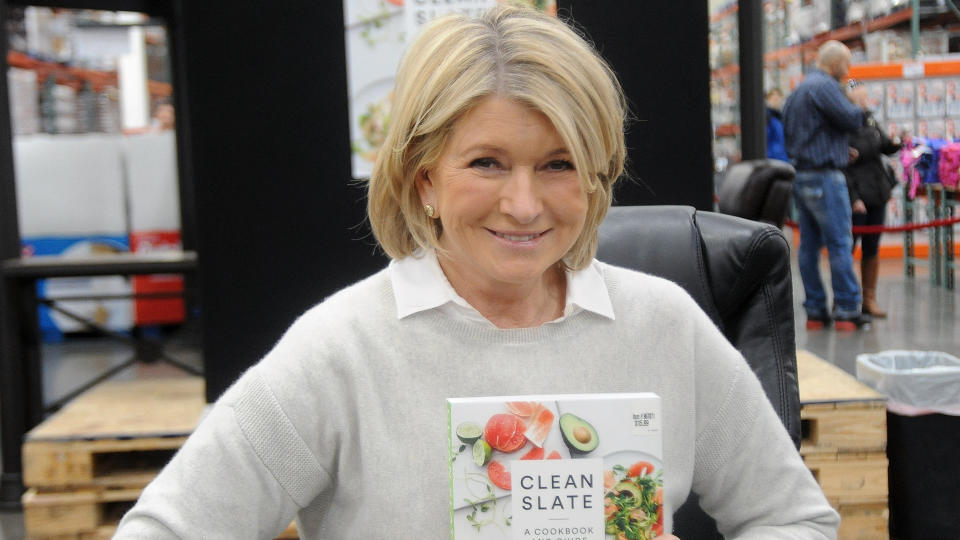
[508, 197]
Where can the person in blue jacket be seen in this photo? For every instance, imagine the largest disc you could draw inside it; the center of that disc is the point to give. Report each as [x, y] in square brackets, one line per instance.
[776, 146]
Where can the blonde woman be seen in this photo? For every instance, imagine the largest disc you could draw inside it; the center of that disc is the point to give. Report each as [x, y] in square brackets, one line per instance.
[504, 144]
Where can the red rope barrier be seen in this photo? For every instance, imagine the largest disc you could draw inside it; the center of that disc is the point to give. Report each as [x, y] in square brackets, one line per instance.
[876, 229]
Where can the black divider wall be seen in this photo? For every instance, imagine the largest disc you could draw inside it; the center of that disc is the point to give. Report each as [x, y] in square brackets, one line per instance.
[9, 228]
[660, 53]
[10, 402]
[279, 223]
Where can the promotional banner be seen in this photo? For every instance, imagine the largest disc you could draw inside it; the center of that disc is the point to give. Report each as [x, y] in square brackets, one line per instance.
[377, 32]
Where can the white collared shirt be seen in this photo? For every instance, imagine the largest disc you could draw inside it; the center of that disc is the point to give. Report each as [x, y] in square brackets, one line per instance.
[419, 284]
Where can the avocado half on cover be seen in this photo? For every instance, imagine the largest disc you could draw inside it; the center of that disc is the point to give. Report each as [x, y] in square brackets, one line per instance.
[579, 436]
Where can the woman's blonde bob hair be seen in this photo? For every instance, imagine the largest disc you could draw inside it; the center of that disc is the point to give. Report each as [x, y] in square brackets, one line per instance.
[515, 53]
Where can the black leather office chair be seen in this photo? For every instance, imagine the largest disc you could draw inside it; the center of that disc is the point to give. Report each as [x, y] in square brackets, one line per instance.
[739, 272]
[758, 189]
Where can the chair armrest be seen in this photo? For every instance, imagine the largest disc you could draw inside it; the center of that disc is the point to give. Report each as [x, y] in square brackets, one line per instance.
[749, 268]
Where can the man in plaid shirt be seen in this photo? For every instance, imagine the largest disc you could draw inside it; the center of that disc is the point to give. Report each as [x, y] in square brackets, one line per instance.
[818, 118]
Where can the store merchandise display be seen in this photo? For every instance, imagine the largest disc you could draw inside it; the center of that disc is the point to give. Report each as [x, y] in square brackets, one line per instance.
[24, 113]
[64, 69]
[874, 30]
[915, 100]
[73, 206]
[925, 114]
[49, 99]
[110, 189]
[154, 221]
[105, 193]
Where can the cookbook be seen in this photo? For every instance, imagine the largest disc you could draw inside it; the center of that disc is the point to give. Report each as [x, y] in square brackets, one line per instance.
[556, 467]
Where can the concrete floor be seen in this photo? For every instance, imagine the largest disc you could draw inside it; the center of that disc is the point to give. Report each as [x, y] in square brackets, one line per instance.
[922, 317]
[11, 526]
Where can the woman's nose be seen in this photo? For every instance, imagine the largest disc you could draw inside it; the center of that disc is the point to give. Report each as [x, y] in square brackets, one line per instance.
[519, 198]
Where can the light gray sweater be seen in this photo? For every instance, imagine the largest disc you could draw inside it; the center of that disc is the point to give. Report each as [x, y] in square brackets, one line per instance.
[343, 425]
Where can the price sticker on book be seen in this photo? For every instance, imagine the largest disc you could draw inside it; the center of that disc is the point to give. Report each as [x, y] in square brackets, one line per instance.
[646, 421]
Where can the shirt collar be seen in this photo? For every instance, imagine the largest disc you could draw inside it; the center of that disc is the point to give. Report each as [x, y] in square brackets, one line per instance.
[419, 284]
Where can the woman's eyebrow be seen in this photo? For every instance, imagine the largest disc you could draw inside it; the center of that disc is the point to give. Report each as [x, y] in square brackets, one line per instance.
[487, 147]
[482, 147]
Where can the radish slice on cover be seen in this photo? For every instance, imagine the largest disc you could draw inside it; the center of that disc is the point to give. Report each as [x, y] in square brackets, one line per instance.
[523, 409]
[539, 427]
[535, 453]
[499, 475]
[505, 432]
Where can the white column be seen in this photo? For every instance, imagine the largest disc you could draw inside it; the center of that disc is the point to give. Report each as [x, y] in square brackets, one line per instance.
[132, 73]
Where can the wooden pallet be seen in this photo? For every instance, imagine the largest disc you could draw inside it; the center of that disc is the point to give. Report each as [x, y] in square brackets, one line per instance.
[85, 513]
[85, 466]
[851, 478]
[843, 426]
[838, 413]
[100, 462]
[119, 433]
[844, 444]
[864, 521]
[80, 511]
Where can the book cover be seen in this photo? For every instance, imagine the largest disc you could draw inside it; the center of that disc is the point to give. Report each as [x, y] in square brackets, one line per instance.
[901, 128]
[900, 100]
[875, 99]
[952, 98]
[931, 128]
[556, 467]
[930, 98]
[951, 129]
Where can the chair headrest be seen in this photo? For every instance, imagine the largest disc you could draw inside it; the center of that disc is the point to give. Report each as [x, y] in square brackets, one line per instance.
[740, 254]
[669, 247]
[718, 259]
[746, 186]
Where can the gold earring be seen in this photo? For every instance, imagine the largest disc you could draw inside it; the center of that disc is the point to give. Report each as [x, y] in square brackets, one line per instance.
[429, 210]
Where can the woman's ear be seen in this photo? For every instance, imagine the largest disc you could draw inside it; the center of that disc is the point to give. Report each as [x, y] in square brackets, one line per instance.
[425, 187]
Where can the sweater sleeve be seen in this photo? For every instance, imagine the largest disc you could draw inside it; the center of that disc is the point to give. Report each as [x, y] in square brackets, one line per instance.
[748, 474]
[888, 146]
[852, 187]
[867, 142]
[836, 108]
[243, 473]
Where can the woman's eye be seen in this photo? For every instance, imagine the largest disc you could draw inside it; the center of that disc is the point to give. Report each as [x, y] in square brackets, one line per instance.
[484, 163]
[560, 165]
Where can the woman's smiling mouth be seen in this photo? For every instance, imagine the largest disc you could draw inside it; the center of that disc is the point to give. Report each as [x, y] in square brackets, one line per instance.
[517, 237]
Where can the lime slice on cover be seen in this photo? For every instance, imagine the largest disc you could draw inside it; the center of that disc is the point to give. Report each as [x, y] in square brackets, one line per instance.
[468, 432]
[481, 452]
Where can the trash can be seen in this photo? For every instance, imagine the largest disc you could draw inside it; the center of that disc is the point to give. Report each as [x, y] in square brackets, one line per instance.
[923, 439]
